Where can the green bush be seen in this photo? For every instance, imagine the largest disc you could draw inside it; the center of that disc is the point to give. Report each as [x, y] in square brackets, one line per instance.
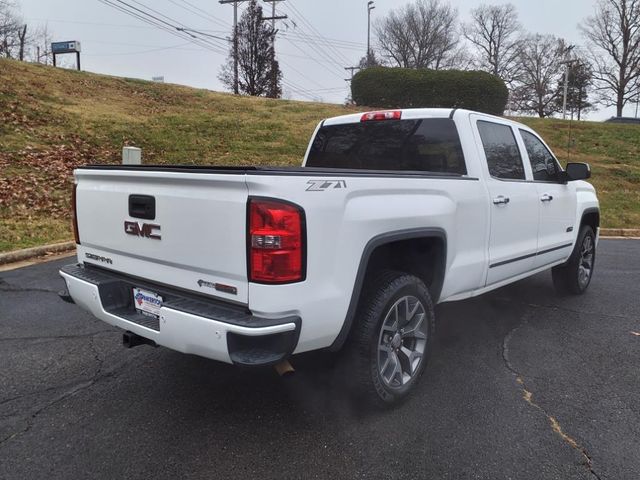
[408, 88]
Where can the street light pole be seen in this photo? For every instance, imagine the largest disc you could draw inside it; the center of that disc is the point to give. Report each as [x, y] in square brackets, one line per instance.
[566, 80]
[370, 6]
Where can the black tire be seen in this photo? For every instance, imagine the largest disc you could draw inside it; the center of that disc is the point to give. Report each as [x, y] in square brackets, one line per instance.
[570, 277]
[372, 343]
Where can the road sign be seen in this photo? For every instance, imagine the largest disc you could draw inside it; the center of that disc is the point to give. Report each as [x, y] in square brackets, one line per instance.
[72, 46]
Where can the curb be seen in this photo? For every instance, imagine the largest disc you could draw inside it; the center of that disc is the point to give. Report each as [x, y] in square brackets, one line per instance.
[29, 253]
[620, 232]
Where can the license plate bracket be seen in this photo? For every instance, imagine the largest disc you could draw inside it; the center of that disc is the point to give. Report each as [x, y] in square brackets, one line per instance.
[146, 302]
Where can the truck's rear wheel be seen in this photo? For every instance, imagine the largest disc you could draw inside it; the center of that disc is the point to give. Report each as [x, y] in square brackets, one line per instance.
[392, 337]
[575, 276]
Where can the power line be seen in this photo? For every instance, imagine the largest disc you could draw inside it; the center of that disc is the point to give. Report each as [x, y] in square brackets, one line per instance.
[171, 28]
[288, 65]
[199, 11]
[334, 43]
[304, 20]
[86, 23]
[298, 90]
[329, 62]
[320, 51]
[159, 49]
[156, 19]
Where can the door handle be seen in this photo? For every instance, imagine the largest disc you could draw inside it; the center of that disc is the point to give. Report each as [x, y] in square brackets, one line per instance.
[546, 198]
[501, 200]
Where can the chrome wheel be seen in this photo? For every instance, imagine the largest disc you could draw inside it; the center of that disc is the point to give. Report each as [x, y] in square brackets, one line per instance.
[585, 267]
[402, 342]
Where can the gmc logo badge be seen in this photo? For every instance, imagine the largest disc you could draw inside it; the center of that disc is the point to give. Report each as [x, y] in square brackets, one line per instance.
[142, 230]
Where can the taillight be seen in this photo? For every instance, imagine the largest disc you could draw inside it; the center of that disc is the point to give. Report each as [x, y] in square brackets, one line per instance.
[75, 214]
[276, 236]
[384, 115]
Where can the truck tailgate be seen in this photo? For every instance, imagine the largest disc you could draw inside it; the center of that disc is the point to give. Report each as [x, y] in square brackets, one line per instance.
[193, 236]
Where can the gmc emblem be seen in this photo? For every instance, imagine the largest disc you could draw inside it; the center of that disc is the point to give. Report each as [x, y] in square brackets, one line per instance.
[142, 230]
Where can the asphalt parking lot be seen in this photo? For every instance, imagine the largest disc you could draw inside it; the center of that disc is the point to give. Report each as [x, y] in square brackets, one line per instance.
[523, 384]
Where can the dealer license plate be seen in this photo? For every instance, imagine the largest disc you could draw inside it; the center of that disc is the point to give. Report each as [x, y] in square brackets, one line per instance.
[146, 302]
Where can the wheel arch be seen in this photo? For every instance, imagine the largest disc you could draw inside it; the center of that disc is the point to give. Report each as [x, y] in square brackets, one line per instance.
[435, 242]
[591, 217]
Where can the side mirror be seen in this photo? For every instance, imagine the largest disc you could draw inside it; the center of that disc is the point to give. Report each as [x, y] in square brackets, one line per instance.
[577, 171]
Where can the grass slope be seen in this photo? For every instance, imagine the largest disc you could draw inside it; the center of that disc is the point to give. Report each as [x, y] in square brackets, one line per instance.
[52, 120]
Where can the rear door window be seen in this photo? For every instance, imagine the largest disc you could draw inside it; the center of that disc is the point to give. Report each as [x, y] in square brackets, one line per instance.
[502, 152]
[427, 145]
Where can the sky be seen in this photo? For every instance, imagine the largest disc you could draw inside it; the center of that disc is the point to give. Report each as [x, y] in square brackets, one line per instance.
[314, 44]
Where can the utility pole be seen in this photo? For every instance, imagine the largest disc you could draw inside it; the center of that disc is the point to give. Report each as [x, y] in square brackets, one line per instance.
[351, 69]
[568, 64]
[273, 18]
[370, 6]
[235, 41]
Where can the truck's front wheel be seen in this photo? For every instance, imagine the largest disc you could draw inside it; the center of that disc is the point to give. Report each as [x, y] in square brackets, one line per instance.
[392, 337]
[575, 276]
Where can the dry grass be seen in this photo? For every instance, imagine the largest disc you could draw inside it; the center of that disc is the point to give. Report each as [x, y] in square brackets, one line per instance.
[52, 120]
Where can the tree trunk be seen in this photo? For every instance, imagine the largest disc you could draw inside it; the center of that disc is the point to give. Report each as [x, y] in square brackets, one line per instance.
[622, 87]
[619, 104]
[22, 36]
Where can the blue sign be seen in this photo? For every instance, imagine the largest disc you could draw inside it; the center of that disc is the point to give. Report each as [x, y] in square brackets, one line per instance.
[65, 47]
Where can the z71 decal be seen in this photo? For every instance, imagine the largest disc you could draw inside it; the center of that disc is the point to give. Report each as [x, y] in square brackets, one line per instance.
[322, 185]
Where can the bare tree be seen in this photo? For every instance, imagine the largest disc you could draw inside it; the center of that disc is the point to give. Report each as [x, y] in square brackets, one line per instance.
[494, 31]
[41, 42]
[10, 26]
[22, 41]
[419, 35]
[539, 63]
[614, 34]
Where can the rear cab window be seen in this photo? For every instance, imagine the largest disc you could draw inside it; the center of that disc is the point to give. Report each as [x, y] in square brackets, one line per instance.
[421, 145]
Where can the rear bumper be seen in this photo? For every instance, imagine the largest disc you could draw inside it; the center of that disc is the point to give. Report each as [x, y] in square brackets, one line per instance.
[187, 323]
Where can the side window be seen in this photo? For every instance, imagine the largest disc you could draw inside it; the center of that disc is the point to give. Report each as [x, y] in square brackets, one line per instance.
[501, 150]
[544, 165]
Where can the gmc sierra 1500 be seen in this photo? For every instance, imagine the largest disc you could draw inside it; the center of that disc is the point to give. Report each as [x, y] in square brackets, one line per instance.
[391, 213]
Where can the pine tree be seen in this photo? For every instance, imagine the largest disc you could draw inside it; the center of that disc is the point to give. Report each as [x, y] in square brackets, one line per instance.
[258, 69]
[579, 88]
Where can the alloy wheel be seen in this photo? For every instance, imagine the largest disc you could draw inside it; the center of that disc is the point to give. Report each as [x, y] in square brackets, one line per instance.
[402, 342]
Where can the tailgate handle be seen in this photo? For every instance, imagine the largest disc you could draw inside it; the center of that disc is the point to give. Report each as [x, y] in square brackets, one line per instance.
[142, 206]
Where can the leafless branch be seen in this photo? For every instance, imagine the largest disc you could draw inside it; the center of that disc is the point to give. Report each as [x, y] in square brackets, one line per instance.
[613, 34]
[419, 35]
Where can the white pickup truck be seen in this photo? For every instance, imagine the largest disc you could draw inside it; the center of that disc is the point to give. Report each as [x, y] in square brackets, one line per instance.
[391, 213]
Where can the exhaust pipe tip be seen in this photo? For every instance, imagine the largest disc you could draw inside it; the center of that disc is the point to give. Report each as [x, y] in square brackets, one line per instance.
[284, 369]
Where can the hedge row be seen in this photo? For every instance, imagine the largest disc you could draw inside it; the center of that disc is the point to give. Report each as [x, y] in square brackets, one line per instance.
[409, 88]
